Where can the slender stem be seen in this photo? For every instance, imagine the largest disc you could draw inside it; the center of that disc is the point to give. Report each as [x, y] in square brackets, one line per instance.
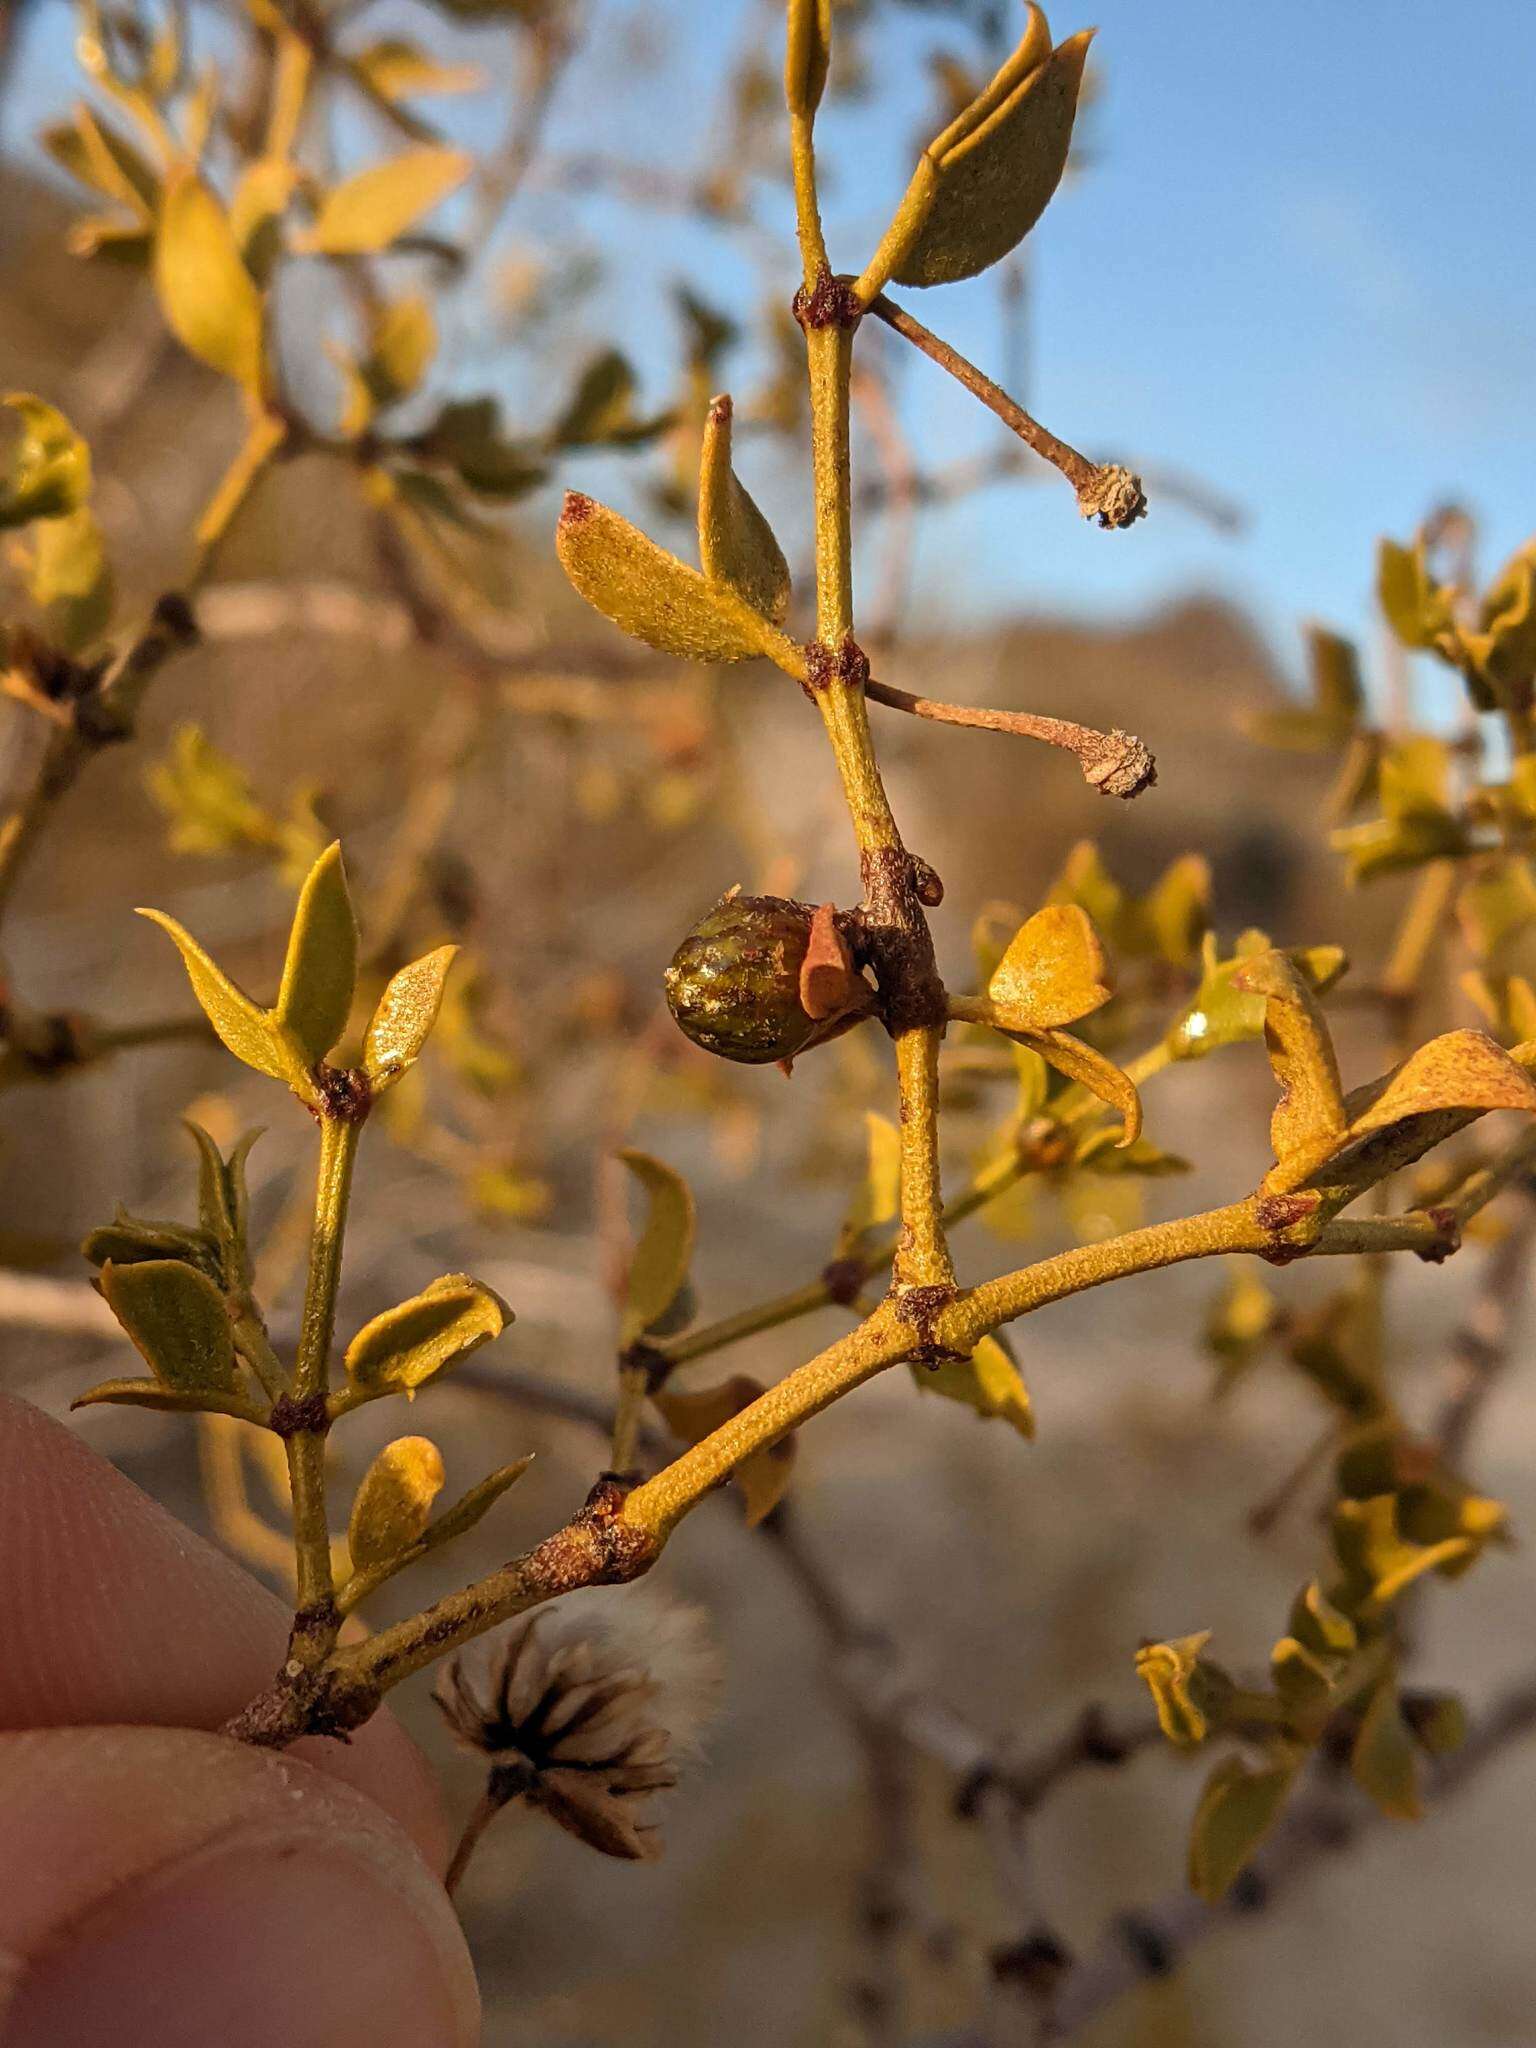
[628, 1416]
[813, 247]
[1117, 763]
[306, 1446]
[1111, 495]
[922, 1252]
[767, 1315]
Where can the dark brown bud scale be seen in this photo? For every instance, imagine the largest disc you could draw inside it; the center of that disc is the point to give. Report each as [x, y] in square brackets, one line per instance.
[734, 983]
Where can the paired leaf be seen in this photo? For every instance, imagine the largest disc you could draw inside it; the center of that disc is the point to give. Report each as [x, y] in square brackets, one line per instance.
[1384, 1760]
[658, 1271]
[406, 1013]
[1053, 972]
[413, 1342]
[394, 1500]
[736, 544]
[1223, 1012]
[650, 594]
[988, 1381]
[368, 212]
[209, 298]
[879, 1194]
[1309, 1122]
[178, 1323]
[320, 971]
[69, 575]
[807, 55]
[985, 181]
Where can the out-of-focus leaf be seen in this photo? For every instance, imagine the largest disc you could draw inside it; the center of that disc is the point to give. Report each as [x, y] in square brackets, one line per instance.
[1221, 1012]
[879, 1192]
[989, 1381]
[762, 1477]
[601, 411]
[48, 473]
[209, 298]
[659, 1267]
[1237, 1809]
[393, 1502]
[369, 211]
[1189, 1692]
[1383, 1759]
[70, 577]
[398, 70]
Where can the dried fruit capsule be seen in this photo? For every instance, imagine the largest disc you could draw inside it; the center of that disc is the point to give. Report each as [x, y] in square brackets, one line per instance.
[734, 982]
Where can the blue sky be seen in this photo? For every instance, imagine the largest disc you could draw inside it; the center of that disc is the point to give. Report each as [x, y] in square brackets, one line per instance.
[1300, 268]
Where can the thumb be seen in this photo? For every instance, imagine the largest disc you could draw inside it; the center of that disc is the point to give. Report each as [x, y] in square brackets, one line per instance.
[161, 1886]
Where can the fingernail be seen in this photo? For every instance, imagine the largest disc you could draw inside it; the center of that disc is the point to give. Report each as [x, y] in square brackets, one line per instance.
[272, 1940]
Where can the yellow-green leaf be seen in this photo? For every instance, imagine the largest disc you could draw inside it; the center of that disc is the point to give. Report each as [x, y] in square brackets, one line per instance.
[736, 544]
[320, 972]
[411, 1343]
[1383, 1760]
[763, 1476]
[659, 1267]
[1308, 1122]
[250, 1033]
[70, 577]
[879, 1192]
[394, 1500]
[1417, 609]
[168, 1400]
[398, 70]
[48, 473]
[651, 594]
[1237, 1809]
[1052, 973]
[807, 55]
[261, 199]
[1087, 1065]
[469, 1507]
[1460, 1070]
[177, 1320]
[367, 212]
[988, 1381]
[997, 165]
[1222, 1012]
[404, 343]
[406, 1012]
[1189, 1693]
[209, 298]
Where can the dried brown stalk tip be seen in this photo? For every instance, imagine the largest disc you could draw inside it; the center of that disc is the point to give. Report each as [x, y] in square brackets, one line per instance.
[1120, 765]
[1113, 496]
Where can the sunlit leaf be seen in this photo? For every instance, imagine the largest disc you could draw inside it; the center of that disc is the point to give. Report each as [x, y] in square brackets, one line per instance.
[651, 594]
[413, 1342]
[994, 169]
[69, 576]
[1053, 972]
[48, 471]
[320, 971]
[1308, 1122]
[367, 212]
[1189, 1692]
[736, 544]
[393, 1502]
[250, 1032]
[209, 298]
[406, 1012]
